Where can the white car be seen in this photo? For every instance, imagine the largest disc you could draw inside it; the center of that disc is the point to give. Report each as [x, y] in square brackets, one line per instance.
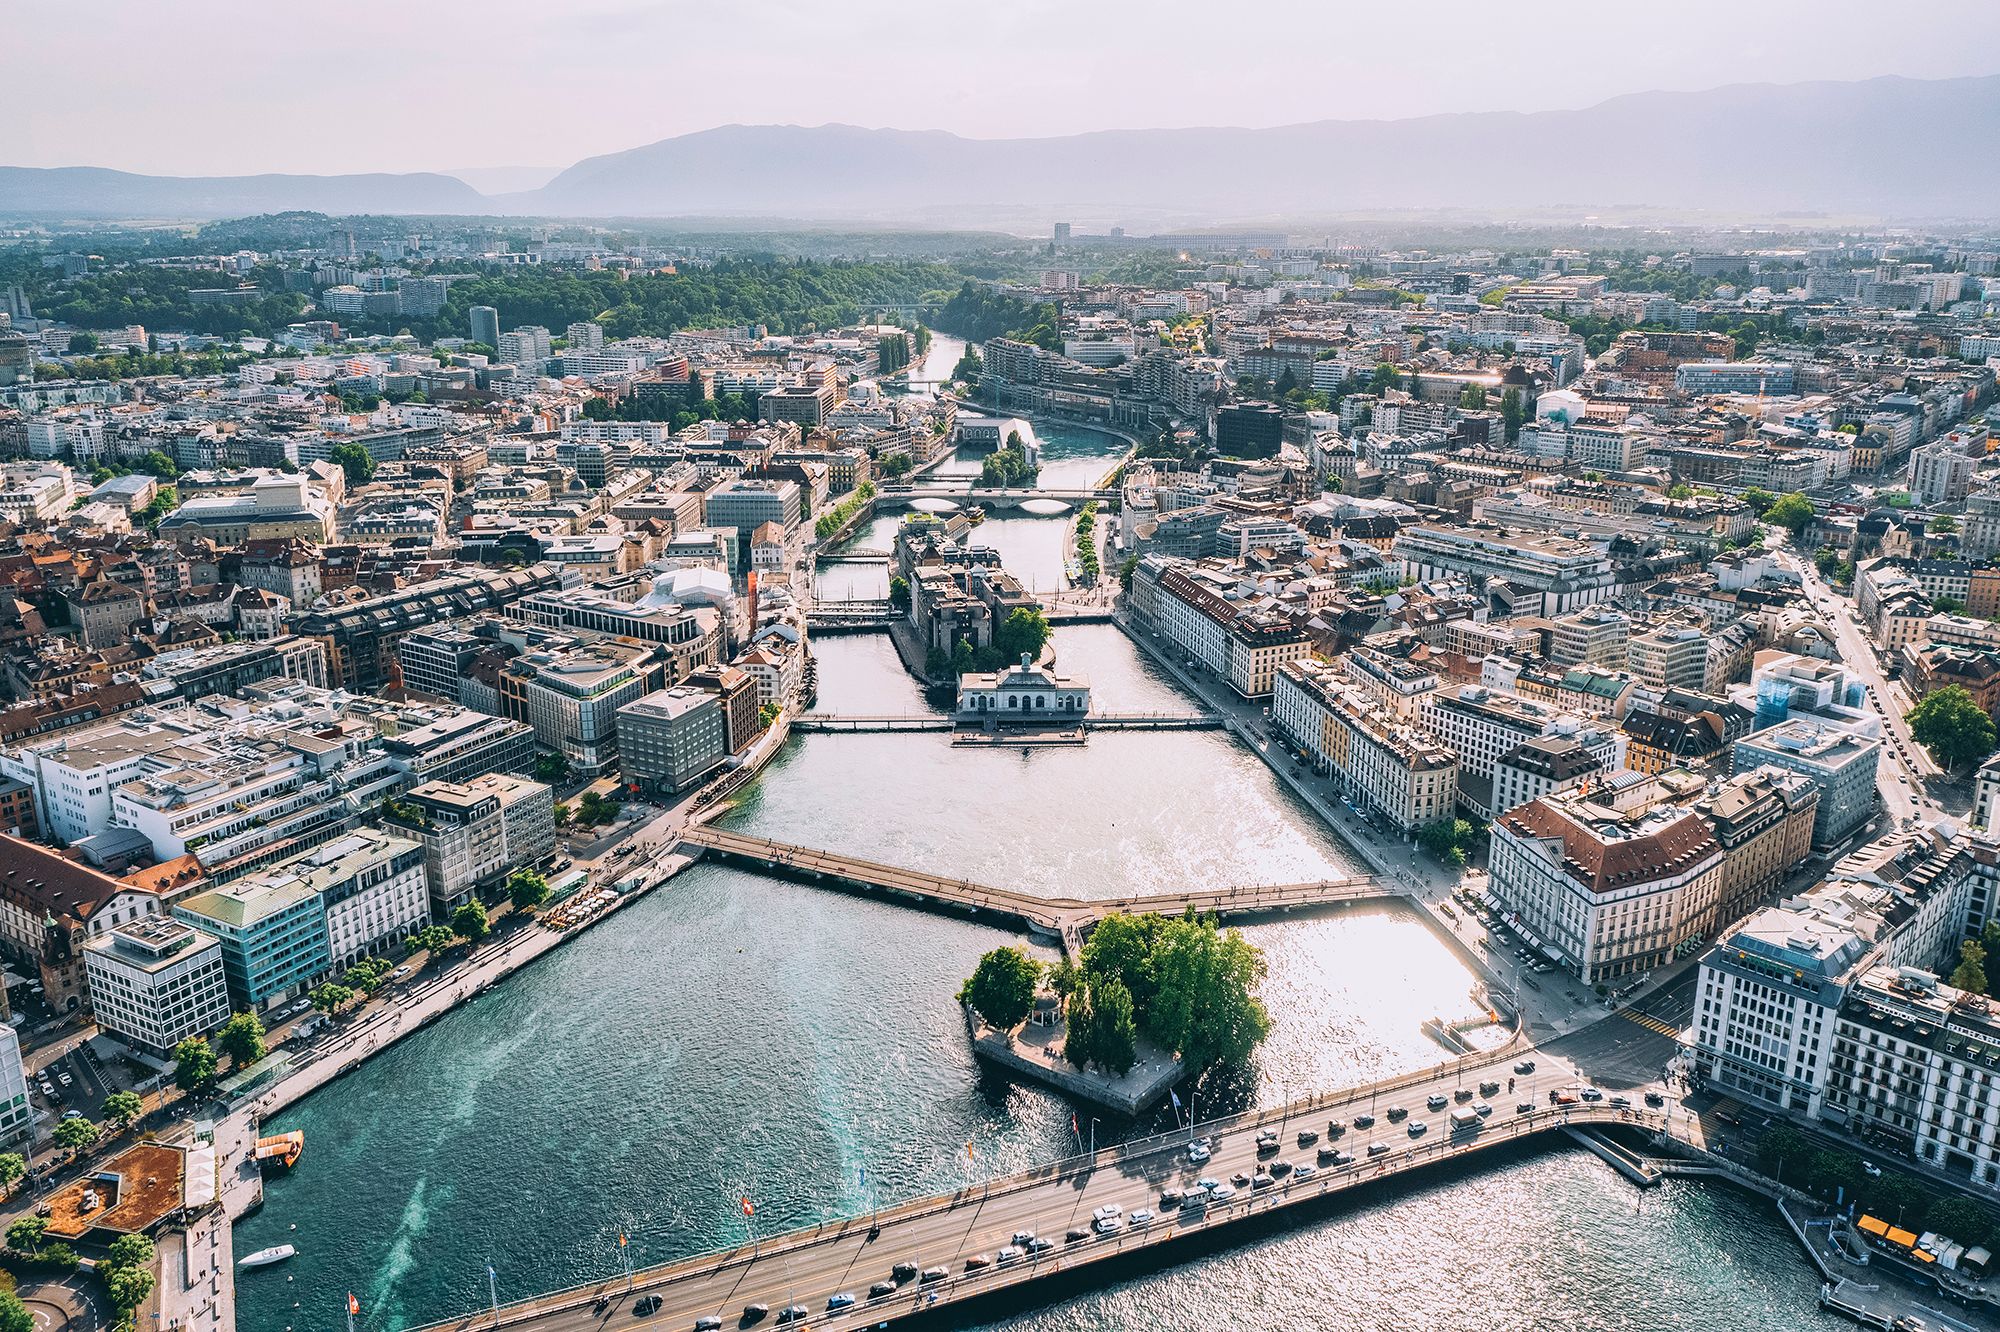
[1197, 1153]
[1142, 1217]
[1108, 1212]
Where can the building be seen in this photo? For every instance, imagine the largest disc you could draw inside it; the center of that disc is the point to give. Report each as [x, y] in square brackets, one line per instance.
[1242, 641]
[475, 833]
[1540, 766]
[672, 738]
[50, 906]
[360, 637]
[570, 695]
[1610, 880]
[1595, 636]
[1941, 473]
[155, 982]
[1839, 762]
[1249, 430]
[17, 1113]
[1522, 572]
[1763, 820]
[1385, 766]
[1022, 694]
[742, 704]
[485, 325]
[273, 937]
[744, 506]
[1673, 656]
[104, 612]
[1480, 724]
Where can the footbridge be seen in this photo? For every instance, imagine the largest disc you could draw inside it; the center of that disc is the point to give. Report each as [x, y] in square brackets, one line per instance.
[1068, 919]
[998, 498]
[911, 1262]
[1094, 721]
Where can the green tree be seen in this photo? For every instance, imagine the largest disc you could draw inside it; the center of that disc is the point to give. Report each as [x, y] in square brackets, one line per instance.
[899, 593]
[76, 1134]
[1001, 988]
[1447, 840]
[1793, 512]
[1512, 413]
[354, 460]
[331, 998]
[1759, 500]
[12, 1167]
[1121, 947]
[1826, 559]
[82, 344]
[469, 922]
[1942, 525]
[551, 768]
[432, 939]
[526, 888]
[1205, 1007]
[1971, 971]
[1128, 569]
[123, 1108]
[194, 1065]
[14, 1315]
[25, 1235]
[1111, 1029]
[242, 1039]
[1952, 726]
[128, 1287]
[130, 1251]
[1023, 633]
[1960, 1218]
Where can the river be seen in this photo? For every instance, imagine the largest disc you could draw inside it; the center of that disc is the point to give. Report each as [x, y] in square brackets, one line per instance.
[737, 1035]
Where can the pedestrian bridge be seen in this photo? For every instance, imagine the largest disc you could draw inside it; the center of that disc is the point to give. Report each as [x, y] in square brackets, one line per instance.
[1067, 919]
[952, 1242]
[931, 721]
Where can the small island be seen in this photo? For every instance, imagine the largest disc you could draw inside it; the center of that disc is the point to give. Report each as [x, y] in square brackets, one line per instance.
[1150, 1000]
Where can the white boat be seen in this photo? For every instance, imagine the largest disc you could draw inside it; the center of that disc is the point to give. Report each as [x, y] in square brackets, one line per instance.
[265, 1257]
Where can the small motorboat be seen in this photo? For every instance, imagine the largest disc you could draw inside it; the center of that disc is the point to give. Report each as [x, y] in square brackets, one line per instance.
[277, 1253]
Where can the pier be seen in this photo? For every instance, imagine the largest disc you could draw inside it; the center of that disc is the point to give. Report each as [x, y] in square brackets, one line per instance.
[952, 1244]
[1068, 919]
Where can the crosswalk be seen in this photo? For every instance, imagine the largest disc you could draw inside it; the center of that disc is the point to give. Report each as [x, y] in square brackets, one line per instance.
[1649, 1022]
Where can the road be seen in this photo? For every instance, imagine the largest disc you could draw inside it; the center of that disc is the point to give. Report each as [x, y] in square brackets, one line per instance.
[1906, 768]
[808, 1268]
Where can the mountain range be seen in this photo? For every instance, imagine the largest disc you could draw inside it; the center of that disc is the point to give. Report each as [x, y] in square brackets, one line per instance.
[1887, 147]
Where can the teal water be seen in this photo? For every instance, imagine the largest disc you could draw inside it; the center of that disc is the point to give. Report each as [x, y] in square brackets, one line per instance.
[734, 1035]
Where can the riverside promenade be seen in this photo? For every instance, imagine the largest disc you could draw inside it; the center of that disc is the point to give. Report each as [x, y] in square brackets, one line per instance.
[954, 1246]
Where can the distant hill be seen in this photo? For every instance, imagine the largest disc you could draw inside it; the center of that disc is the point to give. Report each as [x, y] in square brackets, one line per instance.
[97, 192]
[1890, 147]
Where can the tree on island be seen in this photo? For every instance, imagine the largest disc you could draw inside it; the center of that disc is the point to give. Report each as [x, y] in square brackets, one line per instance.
[242, 1039]
[1002, 987]
[1024, 633]
[1950, 723]
[1206, 1009]
[1103, 1028]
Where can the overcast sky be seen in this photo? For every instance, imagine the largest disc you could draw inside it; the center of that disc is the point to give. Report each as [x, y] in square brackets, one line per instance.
[188, 87]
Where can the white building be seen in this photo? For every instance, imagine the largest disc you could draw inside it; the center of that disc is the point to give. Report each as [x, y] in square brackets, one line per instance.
[155, 982]
[17, 1115]
[1384, 765]
[1023, 693]
[371, 885]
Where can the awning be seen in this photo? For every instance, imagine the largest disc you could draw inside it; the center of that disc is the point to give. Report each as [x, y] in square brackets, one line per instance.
[1902, 1237]
[1873, 1225]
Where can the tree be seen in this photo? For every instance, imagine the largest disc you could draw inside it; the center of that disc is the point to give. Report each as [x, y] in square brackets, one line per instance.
[76, 1134]
[1826, 559]
[242, 1039]
[14, 1315]
[551, 768]
[1952, 726]
[130, 1251]
[1205, 1008]
[1511, 413]
[1960, 1218]
[526, 888]
[1971, 972]
[128, 1287]
[82, 344]
[1001, 988]
[1128, 568]
[194, 1065]
[1447, 840]
[1759, 500]
[1793, 512]
[1121, 948]
[25, 1235]
[331, 998]
[1105, 1028]
[469, 922]
[1942, 525]
[12, 1167]
[431, 939]
[1022, 634]
[123, 1108]
[899, 593]
[354, 460]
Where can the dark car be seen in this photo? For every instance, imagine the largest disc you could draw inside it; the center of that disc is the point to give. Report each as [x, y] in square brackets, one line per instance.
[645, 1304]
[1307, 1137]
[1075, 1235]
[1655, 1099]
[930, 1274]
[903, 1272]
[881, 1290]
[1368, 1121]
[1525, 1067]
[755, 1313]
[794, 1313]
[707, 1323]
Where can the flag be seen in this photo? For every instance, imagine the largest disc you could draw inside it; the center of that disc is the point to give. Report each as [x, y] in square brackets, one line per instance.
[748, 1210]
[621, 1239]
[970, 1155]
[1177, 1104]
[1073, 1127]
[353, 1305]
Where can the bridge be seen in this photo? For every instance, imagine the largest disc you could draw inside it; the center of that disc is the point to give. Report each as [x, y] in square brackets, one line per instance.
[843, 1274]
[964, 496]
[1101, 721]
[1067, 919]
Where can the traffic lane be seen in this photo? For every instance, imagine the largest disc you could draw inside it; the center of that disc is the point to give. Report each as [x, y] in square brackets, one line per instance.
[983, 1222]
[1621, 1054]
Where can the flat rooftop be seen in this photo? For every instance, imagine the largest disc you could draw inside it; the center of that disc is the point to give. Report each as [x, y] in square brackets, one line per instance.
[133, 1192]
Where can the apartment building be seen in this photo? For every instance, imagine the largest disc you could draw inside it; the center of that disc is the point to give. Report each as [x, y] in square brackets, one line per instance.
[1480, 724]
[360, 637]
[273, 937]
[1594, 636]
[1539, 767]
[155, 982]
[1673, 656]
[1763, 820]
[1242, 640]
[1384, 766]
[571, 696]
[474, 833]
[1609, 881]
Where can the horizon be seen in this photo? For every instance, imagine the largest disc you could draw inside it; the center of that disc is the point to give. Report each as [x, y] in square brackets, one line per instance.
[622, 61]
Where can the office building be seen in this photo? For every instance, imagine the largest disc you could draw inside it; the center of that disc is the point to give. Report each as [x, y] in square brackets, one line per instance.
[672, 738]
[474, 834]
[1839, 762]
[273, 937]
[485, 322]
[155, 982]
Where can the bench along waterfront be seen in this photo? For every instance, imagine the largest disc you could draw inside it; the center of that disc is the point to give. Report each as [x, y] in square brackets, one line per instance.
[807, 1268]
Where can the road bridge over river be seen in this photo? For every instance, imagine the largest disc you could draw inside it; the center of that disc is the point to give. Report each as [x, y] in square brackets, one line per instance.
[946, 1235]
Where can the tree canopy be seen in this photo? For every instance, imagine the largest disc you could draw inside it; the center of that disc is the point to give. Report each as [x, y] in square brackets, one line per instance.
[194, 1064]
[1950, 723]
[1192, 988]
[242, 1039]
[1793, 512]
[1002, 987]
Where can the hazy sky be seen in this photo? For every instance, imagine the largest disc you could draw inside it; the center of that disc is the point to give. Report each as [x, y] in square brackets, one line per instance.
[237, 86]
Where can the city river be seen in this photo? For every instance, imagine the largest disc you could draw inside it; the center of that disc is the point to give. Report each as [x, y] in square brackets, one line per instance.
[734, 1035]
